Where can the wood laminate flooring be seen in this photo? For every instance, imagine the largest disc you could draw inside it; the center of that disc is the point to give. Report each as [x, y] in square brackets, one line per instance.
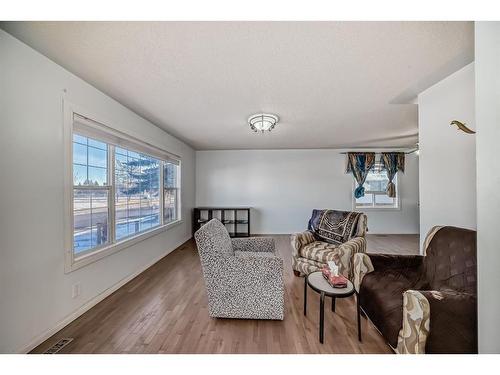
[164, 310]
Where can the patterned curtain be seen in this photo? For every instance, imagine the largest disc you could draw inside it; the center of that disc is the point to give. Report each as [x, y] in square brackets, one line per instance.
[359, 164]
[392, 162]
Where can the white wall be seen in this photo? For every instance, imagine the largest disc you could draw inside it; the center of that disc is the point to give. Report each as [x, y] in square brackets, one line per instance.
[447, 156]
[35, 293]
[283, 186]
[487, 46]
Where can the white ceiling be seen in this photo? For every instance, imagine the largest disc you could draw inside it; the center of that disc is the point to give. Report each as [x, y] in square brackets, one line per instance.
[333, 84]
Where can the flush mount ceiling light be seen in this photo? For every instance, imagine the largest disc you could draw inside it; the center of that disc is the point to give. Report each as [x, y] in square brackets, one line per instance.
[261, 122]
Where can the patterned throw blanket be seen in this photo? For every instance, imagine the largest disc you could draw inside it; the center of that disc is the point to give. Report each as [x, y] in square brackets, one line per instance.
[332, 226]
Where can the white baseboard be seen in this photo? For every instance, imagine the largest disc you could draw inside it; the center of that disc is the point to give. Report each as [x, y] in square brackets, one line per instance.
[94, 301]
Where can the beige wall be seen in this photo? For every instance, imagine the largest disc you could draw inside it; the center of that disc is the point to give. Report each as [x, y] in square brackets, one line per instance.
[447, 156]
[283, 186]
[488, 181]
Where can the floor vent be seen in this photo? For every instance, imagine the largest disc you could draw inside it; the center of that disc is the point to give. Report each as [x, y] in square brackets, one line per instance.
[58, 346]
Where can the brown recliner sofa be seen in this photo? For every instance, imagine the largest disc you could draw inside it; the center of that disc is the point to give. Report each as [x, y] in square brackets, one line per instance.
[423, 304]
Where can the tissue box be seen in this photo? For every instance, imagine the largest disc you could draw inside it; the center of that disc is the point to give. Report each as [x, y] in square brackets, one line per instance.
[335, 281]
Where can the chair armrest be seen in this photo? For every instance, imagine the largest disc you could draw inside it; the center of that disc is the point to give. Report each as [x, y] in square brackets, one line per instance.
[253, 244]
[439, 322]
[416, 323]
[453, 322]
[346, 252]
[362, 266]
[391, 261]
[256, 273]
[299, 240]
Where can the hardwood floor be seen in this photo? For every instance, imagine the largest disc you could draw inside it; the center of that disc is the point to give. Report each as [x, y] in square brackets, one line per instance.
[393, 243]
[164, 310]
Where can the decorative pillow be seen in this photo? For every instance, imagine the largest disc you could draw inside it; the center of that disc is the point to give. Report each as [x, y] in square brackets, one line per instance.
[333, 226]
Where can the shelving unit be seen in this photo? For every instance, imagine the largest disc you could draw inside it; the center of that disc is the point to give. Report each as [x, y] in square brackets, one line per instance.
[236, 219]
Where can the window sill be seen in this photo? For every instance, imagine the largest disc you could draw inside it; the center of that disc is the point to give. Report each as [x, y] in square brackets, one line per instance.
[377, 209]
[94, 256]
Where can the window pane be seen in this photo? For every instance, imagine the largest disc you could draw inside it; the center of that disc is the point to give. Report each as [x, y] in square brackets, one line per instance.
[89, 163]
[120, 160]
[365, 201]
[120, 151]
[90, 212]
[99, 217]
[79, 174]
[81, 218]
[80, 139]
[137, 192]
[97, 144]
[133, 154]
[155, 213]
[97, 157]
[79, 154]
[376, 181]
[90, 207]
[170, 175]
[170, 210]
[171, 192]
[97, 176]
[383, 199]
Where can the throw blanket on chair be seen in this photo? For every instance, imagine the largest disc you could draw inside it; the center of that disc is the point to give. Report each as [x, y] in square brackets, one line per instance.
[332, 226]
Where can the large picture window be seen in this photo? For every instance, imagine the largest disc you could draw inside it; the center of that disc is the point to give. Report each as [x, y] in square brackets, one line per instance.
[120, 190]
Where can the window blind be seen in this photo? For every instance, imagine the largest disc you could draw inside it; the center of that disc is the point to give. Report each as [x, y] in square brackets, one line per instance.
[94, 129]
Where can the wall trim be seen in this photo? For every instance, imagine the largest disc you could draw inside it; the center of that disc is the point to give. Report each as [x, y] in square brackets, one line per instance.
[94, 301]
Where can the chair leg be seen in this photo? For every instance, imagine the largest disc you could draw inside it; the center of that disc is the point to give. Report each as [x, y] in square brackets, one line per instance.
[305, 295]
[358, 308]
[321, 317]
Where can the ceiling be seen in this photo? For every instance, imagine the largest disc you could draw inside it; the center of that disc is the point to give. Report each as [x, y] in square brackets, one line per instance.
[333, 84]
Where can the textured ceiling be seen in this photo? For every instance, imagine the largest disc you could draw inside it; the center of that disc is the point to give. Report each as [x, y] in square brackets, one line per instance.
[333, 84]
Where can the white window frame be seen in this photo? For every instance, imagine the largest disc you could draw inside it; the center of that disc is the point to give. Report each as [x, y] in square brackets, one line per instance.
[376, 207]
[179, 192]
[100, 129]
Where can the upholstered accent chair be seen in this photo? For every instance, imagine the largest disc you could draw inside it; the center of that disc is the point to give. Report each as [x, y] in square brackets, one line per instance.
[243, 276]
[423, 304]
[310, 253]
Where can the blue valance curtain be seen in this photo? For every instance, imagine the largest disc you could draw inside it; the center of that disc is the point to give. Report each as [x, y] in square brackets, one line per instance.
[359, 164]
[392, 162]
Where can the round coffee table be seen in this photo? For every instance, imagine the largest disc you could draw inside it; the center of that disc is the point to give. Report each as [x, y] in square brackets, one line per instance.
[317, 282]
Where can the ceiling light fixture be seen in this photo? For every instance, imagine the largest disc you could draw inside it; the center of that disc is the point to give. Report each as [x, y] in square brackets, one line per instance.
[261, 122]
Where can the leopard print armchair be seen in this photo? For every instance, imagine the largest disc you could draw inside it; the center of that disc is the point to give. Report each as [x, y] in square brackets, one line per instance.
[243, 276]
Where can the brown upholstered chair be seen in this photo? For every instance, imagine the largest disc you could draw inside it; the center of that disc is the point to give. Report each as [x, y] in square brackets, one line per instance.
[310, 254]
[423, 304]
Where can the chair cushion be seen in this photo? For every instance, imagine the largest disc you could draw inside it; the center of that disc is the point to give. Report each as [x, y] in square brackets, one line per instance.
[318, 251]
[381, 297]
